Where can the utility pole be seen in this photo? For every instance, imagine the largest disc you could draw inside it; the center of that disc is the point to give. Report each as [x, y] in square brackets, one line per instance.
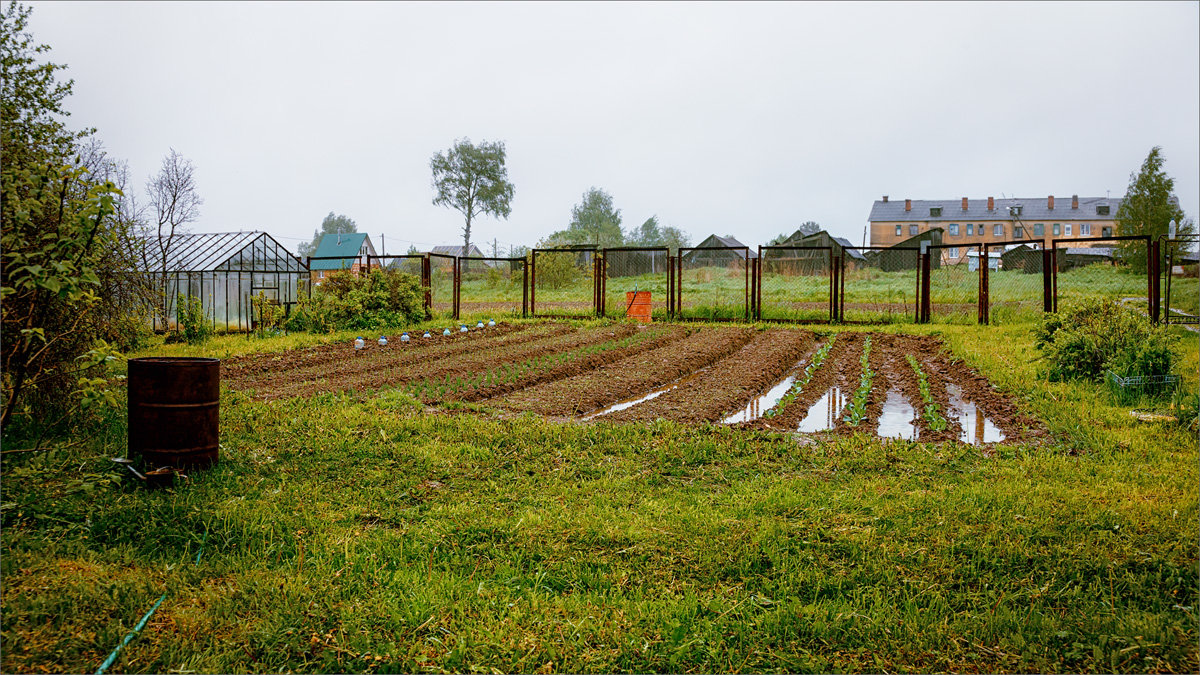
[383, 244]
[495, 248]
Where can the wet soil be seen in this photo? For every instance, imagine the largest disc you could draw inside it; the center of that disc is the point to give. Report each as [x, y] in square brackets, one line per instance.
[632, 376]
[652, 338]
[840, 369]
[897, 375]
[729, 383]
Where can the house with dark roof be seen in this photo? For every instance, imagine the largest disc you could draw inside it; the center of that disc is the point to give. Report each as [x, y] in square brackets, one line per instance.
[991, 220]
[456, 251]
[823, 238]
[719, 256]
[905, 255]
[343, 251]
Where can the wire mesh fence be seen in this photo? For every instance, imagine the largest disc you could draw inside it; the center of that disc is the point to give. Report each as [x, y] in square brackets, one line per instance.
[954, 282]
[1018, 284]
[442, 285]
[879, 284]
[563, 282]
[713, 283]
[629, 270]
[795, 284]
[1084, 269]
[491, 287]
[1181, 281]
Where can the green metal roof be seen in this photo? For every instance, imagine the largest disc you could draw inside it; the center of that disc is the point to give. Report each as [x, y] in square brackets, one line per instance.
[344, 244]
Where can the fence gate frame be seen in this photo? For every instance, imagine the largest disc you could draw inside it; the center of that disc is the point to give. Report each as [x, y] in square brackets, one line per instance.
[1166, 313]
[746, 259]
[458, 261]
[831, 273]
[925, 269]
[603, 275]
[841, 300]
[1152, 268]
[532, 276]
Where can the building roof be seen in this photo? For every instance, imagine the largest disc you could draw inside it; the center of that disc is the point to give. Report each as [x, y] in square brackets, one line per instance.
[345, 244]
[798, 238]
[717, 241]
[1032, 209]
[1102, 251]
[213, 251]
[456, 251]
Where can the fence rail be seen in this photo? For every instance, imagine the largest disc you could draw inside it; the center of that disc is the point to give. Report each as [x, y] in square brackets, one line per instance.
[982, 282]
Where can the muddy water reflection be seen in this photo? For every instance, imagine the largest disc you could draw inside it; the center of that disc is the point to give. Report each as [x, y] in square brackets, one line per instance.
[825, 412]
[975, 428]
[760, 404]
[630, 402]
[898, 419]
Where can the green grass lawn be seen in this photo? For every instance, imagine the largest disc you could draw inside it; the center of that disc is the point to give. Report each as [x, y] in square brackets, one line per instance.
[348, 534]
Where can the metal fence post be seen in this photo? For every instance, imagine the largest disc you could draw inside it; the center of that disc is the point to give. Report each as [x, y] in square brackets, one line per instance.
[1152, 278]
[524, 288]
[924, 283]
[1047, 272]
[427, 282]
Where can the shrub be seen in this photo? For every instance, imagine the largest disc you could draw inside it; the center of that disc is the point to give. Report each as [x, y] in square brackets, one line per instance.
[191, 320]
[1089, 337]
[382, 298]
[555, 270]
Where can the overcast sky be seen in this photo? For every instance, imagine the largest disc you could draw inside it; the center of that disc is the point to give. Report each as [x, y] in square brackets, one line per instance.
[743, 119]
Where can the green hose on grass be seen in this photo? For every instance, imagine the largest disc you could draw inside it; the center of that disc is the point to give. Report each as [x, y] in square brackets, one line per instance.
[112, 658]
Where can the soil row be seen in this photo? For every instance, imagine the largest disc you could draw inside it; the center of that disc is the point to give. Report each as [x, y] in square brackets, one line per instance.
[645, 339]
[244, 371]
[631, 376]
[840, 369]
[480, 358]
[897, 374]
[729, 383]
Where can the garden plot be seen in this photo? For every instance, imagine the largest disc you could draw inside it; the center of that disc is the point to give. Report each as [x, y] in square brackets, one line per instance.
[631, 377]
[729, 383]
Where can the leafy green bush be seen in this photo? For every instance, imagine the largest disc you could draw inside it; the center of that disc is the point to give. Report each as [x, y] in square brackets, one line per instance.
[191, 320]
[1092, 336]
[382, 298]
[555, 270]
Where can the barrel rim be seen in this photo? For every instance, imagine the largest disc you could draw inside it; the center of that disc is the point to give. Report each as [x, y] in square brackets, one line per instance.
[176, 360]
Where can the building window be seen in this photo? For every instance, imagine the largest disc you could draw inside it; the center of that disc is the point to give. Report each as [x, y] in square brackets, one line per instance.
[321, 274]
[1039, 229]
[1014, 210]
[954, 228]
[1106, 232]
[1102, 210]
[953, 253]
[935, 212]
[997, 230]
[899, 230]
[1018, 232]
[912, 230]
[970, 229]
[1085, 229]
[1057, 228]
[1067, 229]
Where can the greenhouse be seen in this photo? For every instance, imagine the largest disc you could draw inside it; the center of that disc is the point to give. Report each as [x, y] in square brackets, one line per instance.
[226, 271]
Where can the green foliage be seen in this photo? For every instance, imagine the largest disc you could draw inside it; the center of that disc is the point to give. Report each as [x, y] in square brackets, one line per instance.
[593, 221]
[380, 299]
[194, 326]
[1148, 208]
[650, 233]
[267, 314]
[556, 270]
[332, 224]
[856, 412]
[1088, 337]
[932, 411]
[473, 180]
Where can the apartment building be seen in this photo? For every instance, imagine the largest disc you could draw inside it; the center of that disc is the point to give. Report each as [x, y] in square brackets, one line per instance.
[993, 221]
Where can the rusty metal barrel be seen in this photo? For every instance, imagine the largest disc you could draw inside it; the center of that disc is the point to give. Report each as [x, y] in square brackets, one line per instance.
[174, 409]
[637, 305]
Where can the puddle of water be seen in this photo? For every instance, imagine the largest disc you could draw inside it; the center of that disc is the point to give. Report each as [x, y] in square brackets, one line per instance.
[630, 402]
[898, 419]
[975, 428]
[760, 404]
[825, 412]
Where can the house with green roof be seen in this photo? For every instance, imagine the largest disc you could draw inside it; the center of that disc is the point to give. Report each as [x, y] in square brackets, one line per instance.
[341, 251]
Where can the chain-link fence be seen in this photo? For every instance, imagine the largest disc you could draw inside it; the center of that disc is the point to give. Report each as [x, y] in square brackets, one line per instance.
[879, 284]
[1017, 285]
[1088, 268]
[563, 282]
[626, 270]
[713, 283]
[442, 285]
[1181, 281]
[491, 287]
[954, 282]
[795, 284]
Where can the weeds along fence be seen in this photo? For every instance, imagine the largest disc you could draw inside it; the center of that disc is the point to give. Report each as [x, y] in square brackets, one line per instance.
[713, 284]
[1180, 287]
[795, 284]
[492, 287]
[879, 284]
[564, 282]
[630, 269]
[984, 282]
